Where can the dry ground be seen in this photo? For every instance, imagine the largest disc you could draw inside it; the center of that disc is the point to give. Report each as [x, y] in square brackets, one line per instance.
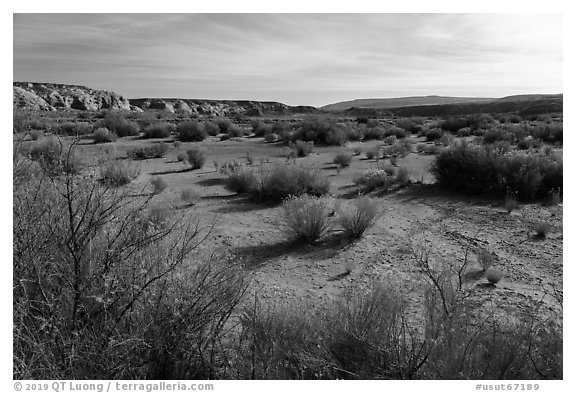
[287, 274]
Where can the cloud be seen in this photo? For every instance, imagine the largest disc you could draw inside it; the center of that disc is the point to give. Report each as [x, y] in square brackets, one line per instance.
[295, 58]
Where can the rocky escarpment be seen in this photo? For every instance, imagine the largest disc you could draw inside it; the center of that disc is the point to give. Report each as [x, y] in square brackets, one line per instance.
[53, 96]
[219, 107]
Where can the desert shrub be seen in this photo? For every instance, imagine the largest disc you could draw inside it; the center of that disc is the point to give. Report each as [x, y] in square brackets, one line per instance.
[159, 130]
[118, 173]
[305, 218]
[125, 292]
[74, 129]
[103, 135]
[445, 140]
[158, 184]
[493, 275]
[224, 137]
[356, 220]
[374, 152]
[261, 129]
[191, 131]
[388, 169]
[280, 182]
[212, 128]
[343, 159]
[424, 148]
[511, 201]
[241, 180]
[485, 259]
[497, 134]
[271, 138]
[374, 179]
[235, 131]
[35, 134]
[408, 125]
[115, 122]
[189, 196]
[156, 150]
[398, 132]
[196, 158]
[398, 149]
[376, 133]
[323, 131]
[249, 158]
[542, 229]
[433, 134]
[355, 134]
[476, 169]
[390, 140]
[357, 150]
[54, 157]
[223, 123]
[301, 148]
[464, 132]
[182, 157]
[403, 175]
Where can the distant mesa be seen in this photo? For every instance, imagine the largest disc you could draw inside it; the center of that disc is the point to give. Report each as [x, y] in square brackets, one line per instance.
[56, 96]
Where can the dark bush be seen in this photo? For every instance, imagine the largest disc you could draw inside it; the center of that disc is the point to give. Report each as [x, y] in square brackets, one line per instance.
[343, 159]
[212, 129]
[159, 130]
[116, 123]
[196, 158]
[301, 148]
[433, 134]
[222, 123]
[475, 169]
[280, 182]
[157, 150]
[74, 129]
[191, 131]
[261, 129]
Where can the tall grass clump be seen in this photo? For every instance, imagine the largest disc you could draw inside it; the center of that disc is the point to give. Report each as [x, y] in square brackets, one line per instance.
[357, 219]
[158, 184]
[241, 180]
[305, 218]
[118, 173]
[191, 131]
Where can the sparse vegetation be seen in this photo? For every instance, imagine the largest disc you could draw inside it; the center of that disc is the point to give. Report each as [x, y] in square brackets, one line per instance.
[156, 150]
[118, 173]
[103, 135]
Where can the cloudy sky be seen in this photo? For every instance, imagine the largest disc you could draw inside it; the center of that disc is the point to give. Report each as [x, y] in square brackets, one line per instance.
[298, 59]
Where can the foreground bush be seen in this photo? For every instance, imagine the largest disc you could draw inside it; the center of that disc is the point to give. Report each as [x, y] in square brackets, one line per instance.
[357, 219]
[305, 218]
[477, 169]
[191, 131]
[128, 298]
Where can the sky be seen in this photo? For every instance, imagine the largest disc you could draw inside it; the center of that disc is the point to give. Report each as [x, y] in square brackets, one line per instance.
[297, 59]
